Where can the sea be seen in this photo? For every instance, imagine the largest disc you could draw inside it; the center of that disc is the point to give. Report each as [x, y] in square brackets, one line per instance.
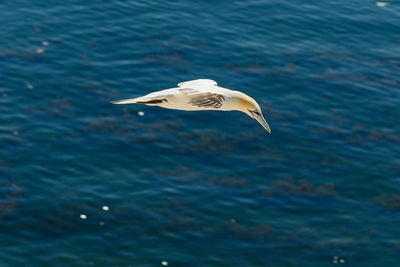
[84, 182]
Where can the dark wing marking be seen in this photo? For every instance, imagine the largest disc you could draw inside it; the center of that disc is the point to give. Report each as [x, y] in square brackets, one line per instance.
[207, 100]
[156, 101]
[203, 99]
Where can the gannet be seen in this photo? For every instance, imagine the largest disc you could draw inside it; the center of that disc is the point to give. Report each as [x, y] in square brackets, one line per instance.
[201, 94]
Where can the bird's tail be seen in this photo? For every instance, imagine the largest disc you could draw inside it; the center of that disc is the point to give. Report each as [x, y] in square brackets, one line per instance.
[125, 101]
[140, 100]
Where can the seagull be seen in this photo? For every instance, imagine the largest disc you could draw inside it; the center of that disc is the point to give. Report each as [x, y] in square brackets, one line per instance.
[201, 94]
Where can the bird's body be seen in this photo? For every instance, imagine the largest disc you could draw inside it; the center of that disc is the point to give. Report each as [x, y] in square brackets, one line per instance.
[201, 94]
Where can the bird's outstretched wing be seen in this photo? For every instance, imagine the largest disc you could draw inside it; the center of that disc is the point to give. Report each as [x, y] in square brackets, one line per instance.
[207, 100]
[203, 99]
[198, 83]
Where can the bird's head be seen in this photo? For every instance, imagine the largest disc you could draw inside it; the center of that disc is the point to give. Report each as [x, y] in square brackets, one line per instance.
[249, 106]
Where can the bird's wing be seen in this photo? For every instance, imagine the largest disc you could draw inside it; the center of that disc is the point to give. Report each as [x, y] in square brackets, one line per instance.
[200, 98]
[198, 83]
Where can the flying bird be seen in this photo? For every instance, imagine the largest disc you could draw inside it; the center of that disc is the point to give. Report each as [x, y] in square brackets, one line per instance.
[201, 94]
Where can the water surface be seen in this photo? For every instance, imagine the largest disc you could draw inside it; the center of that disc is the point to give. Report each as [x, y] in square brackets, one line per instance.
[207, 188]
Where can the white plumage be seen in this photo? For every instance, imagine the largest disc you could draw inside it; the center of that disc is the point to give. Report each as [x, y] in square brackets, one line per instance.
[201, 94]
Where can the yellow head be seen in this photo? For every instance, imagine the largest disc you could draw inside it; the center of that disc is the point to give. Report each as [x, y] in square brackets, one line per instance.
[249, 106]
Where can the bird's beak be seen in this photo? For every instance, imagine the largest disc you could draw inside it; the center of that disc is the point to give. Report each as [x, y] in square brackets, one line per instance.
[262, 121]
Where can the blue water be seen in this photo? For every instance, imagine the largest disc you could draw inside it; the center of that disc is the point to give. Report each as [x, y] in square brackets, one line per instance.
[199, 188]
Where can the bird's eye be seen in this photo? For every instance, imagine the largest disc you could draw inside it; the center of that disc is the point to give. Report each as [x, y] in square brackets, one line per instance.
[256, 112]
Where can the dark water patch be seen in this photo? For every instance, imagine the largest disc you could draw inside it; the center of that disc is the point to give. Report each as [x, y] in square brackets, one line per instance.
[390, 201]
[301, 187]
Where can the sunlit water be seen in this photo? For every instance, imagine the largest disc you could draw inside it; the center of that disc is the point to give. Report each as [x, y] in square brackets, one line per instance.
[199, 188]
